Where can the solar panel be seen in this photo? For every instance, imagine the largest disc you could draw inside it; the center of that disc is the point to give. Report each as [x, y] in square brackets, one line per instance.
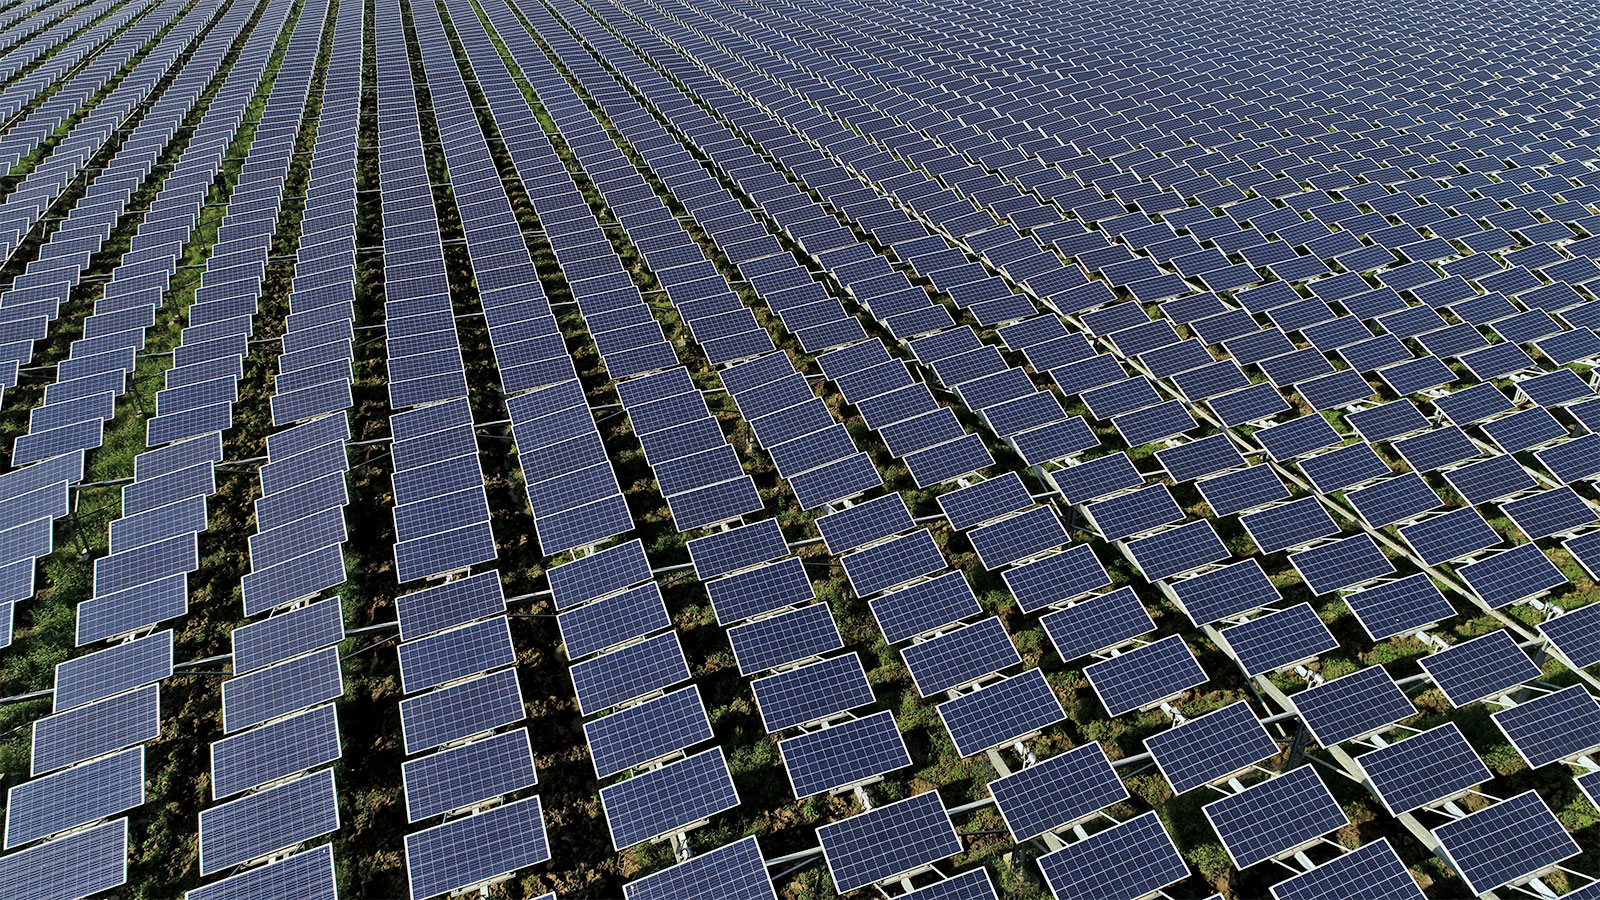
[753, 592]
[260, 644]
[1211, 748]
[1506, 842]
[1196, 459]
[846, 754]
[1127, 515]
[1388, 421]
[1275, 817]
[972, 884]
[1129, 860]
[925, 606]
[891, 563]
[78, 865]
[668, 799]
[1553, 513]
[1425, 769]
[1242, 490]
[1394, 500]
[461, 710]
[864, 523]
[1349, 465]
[96, 728]
[424, 612]
[476, 849]
[1145, 676]
[1352, 706]
[1225, 593]
[788, 637]
[259, 824]
[307, 875]
[1480, 668]
[1512, 576]
[1287, 525]
[631, 737]
[470, 773]
[733, 871]
[95, 676]
[1557, 726]
[606, 623]
[1057, 792]
[1576, 635]
[1279, 640]
[881, 843]
[1449, 536]
[1056, 578]
[1177, 551]
[986, 500]
[811, 693]
[733, 550]
[277, 750]
[1097, 477]
[1018, 537]
[1001, 712]
[1097, 624]
[72, 797]
[1370, 872]
[1341, 564]
[281, 689]
[599, 574]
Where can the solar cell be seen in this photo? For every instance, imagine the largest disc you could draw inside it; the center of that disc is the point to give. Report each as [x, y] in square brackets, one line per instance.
[1129, 860]
[1288, 525]
[864, 523]
[281, 689]
[95, 676]
[891, 563]
[812, 693]
[461, 776]
[77, 865]
[886, 841]
[1576, 635]
[1242, 490]
[924, 606]
[598, 626]
[668, 799]
[260, 644]
[1275, 817]
[1057, 792]
[1211, 747]
[1506, 842]
[849, 753]
[476, 849]
[72, 797]
[460, 711]
[752, 592]
[986, 500]
[453, 603]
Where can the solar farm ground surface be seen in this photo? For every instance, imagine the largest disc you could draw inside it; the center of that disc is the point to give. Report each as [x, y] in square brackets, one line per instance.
[1150, 272]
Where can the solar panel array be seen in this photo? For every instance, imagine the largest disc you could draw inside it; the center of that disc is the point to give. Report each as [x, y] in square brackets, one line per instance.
[1328, 281]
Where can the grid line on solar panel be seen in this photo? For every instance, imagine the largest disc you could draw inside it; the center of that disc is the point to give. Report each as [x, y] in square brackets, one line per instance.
[466, 774]
[1370, 872]
[668, 799]
[1510, 840]
[474, 849]
[1131, 859]
[1211, 747]
[1560, 725]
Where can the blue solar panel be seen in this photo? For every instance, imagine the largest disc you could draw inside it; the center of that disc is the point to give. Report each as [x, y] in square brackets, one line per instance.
[865, 523]
[470, 773]
[633, 671]
[1279, 640]
[668, 799]
[1352, 706]
[460, 710]
[1576, 635]
[1145, 676]
[307, 875]
[1057, 578]
[891, 563]
[973, 884]
[78, 865]
[281, 689]
[277, 750]
[453, 603]
[597, 626]
[262, 823]
[1002, 712]
[1508, 841]
[1274, 817]
[95, 729]
[1057, 792]
[788, 637]
[1425, 769]
[754, 592]
[1211, 747]
[1557, 726]
[924, 607]
[72, 797]
[1482, 667]
[1131, 859]
[960, 657]
[475, 849]
[733, 871]
[845, 754]
[812, 692]
[1370, 872]
[640, 734]
[95, 676]
[732, 550]
[878, 844]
